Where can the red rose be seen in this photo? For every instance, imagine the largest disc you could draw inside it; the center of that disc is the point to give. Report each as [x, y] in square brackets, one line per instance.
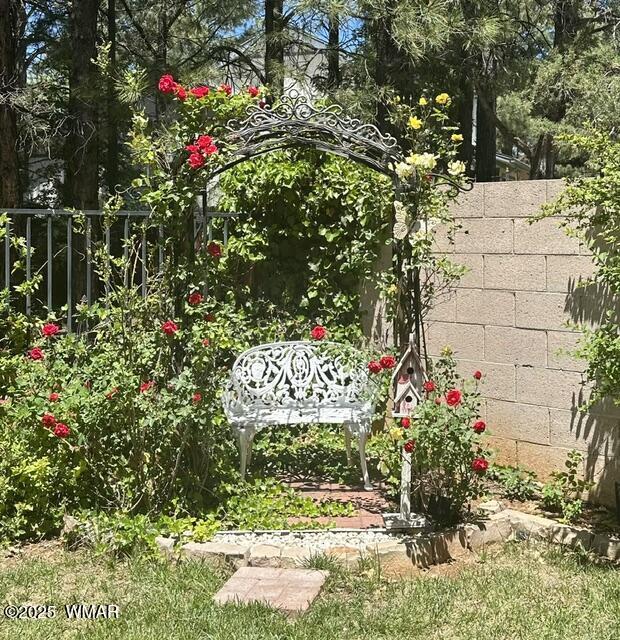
[180, 92]
[429, 386]
[387, 362]
[437, 400]
[479, 426]
[477, 375]
[195, 298]
[54, 397]
[409, 446]
[214, 249]
[113, 392]
[210, 150]
[61, 430]
[226, 88]
[200, 92]
[374, 366]
[205, 342]
[50, 329]
[479, 465]
[48, 420]
[36, 353]
[195, 160]
[145, 386]
[253, 91]
[318, 332]
[169, 328]
[197, 397]
[204, 141]
[405, 423]
[210, 317]
[166, 84]
[453, 397]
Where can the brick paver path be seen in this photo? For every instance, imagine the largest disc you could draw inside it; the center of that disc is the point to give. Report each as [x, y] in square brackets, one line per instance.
[289, 590]
[369, 504]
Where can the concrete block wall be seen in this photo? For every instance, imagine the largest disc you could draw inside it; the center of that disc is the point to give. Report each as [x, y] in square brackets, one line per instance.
[510, 317]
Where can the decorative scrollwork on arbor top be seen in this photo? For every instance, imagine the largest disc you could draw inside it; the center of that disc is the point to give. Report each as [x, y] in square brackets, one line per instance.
[294, 122]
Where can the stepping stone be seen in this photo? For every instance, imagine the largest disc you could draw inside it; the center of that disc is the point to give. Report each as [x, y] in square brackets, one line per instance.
[289, 590]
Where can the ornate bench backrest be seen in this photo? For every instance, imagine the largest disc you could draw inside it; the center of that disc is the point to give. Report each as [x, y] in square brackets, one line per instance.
[299, 374]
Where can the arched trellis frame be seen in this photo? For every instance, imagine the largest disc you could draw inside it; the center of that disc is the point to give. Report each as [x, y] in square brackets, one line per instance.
[293, 122]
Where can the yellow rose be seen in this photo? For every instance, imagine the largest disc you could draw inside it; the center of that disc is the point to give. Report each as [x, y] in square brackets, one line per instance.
[415, 122]
[395, 434]
[443, 98]
[456, 168]
[457, 137]
[422, 160]
[422, 101]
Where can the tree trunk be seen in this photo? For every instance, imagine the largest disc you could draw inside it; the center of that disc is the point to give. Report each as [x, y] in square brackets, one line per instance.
[565, 23]
[112, 127]
[549, 157]
[486, 138]
[274, 45]
[10, 14]
[465, 106]
[333, 54]
[387, 57]
[81, 150]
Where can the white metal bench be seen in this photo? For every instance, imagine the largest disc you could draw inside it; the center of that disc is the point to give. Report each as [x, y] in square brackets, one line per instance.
[300, 382]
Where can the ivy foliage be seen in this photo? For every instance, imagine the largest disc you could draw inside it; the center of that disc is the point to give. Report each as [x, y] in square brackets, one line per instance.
[313, 231]
[591, 210]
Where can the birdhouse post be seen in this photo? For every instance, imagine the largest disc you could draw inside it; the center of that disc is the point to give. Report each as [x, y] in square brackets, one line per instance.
[407, 392]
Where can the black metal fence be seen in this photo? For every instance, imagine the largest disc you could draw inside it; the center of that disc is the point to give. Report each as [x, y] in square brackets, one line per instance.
[58, 246]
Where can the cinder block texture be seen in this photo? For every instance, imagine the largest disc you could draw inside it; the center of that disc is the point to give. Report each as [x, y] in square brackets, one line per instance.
[565, 273]
[518, 421]
[480, 306]
[515, 273]
[513, 316]
[514, 199]
[475, 269]
[550, 387]
[481, 235]
[467, 340]
[469, 204]
[515, 346]
[543, 237]
[541, 311]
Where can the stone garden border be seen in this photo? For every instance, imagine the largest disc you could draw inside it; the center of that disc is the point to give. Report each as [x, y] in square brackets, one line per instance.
[399, 554]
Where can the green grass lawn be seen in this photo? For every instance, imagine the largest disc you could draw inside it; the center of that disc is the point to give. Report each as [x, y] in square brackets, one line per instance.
[520, 592]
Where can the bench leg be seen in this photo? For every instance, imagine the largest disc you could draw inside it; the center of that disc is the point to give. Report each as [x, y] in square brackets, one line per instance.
[363, 436]
[347, 444]
[246, 436]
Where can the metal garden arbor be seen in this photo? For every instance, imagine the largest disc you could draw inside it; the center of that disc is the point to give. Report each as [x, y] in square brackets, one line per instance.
[295, 122]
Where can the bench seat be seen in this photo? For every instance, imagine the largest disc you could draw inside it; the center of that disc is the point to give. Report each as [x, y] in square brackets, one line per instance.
[300, 382]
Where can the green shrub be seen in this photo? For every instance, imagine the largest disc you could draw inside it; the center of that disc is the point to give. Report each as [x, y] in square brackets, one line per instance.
[142, 429]
[590, 209]
[562, 494]
[515, 483]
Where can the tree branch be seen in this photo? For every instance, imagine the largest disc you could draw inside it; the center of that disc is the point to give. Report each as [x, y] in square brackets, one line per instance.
[138, 27]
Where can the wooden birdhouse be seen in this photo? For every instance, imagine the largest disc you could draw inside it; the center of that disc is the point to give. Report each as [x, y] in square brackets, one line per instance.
[407, 381]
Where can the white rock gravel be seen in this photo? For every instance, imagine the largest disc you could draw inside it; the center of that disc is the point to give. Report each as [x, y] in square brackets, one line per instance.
[314, 540]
